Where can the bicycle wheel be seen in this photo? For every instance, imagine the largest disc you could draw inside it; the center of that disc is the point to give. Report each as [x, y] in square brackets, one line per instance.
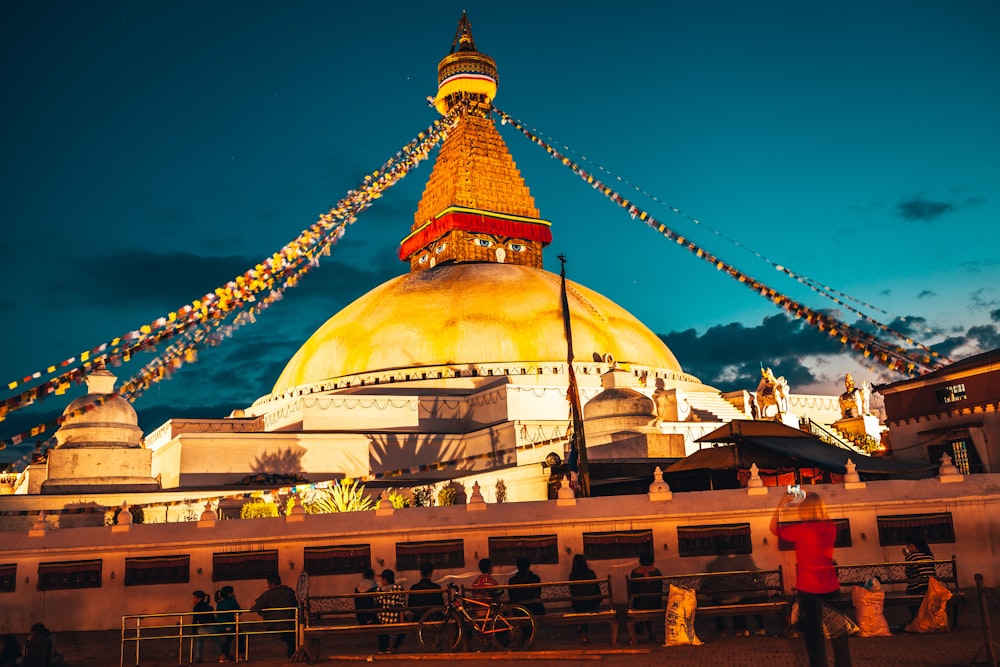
[513, 629]
[440, 630]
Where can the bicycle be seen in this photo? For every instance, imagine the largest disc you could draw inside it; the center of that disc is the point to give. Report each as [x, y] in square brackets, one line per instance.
[509, 627]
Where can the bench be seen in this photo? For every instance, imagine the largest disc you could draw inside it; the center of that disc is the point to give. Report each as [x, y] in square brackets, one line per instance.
[735, 593]
[338, 614]
[558, 602]
[893, 579]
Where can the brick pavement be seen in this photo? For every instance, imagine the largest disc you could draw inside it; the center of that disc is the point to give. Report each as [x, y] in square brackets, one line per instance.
[559, 646]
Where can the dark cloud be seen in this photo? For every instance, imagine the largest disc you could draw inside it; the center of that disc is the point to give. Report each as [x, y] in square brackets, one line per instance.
[925, 294]
[919, 209]
[729, 356]
[984, 297]
[157, 280]
[923, 210]
[985, 337]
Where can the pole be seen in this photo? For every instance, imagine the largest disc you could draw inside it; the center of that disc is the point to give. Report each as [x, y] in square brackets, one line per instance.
[577, 440]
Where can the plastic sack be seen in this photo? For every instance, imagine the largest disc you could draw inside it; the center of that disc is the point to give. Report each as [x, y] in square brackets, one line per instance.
[836, 625]
[933, 614]
[679, 626]
[873, 584]
[868, 609]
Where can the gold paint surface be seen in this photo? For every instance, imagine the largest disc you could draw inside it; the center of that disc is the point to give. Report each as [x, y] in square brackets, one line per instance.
[470, 313]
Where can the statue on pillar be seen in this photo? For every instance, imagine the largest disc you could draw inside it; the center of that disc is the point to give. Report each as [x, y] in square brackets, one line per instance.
[669, 405]
[852, 401]
[772, 392]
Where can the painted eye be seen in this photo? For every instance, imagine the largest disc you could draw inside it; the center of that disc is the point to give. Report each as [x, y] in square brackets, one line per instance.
[517, 247]
[423, 259]
[440, 248]
[485, 243]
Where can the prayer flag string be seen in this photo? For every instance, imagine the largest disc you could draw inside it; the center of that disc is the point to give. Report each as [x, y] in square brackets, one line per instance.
[893, 357]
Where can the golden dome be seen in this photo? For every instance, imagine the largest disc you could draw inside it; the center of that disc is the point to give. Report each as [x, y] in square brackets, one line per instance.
[470, 313]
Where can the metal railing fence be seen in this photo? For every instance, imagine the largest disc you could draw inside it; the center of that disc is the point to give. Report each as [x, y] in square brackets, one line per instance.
[180, 627]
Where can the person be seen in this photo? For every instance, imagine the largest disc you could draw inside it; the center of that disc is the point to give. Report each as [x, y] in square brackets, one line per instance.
[816, 579]
[202, 621]
[226, 606]
[917, 551]
[647, 594]
[529, 598]
[10, 651]
[277, 605]
[730, 561]
[364, 606]
[391, 603]
[485, 580]
[585, 597]
[420, 602]
[39, 648]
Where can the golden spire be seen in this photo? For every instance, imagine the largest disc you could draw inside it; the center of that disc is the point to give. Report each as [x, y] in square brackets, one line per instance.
[475, 206]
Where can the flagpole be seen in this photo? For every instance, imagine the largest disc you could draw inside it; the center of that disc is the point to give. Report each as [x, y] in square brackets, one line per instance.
[577, 441]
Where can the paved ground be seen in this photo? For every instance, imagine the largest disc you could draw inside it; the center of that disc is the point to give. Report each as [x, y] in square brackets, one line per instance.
[560, 646]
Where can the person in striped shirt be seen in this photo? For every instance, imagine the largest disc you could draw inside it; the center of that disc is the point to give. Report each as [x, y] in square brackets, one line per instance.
[920, 568]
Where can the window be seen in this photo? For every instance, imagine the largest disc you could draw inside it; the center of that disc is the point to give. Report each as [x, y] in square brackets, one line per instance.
[963, 455]
[617, 544]
[955, 392]
[537, 548]
[340, 559]
[843, 535]
[896, 530]
[439, 553]
[8, 577]
[69, 574]
[713, 540]
[244, 565]
[157, 570]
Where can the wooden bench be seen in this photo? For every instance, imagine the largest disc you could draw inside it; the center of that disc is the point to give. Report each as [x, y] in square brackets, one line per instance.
[735, 593]
[338, 614]
[893, 579]
[558, 602]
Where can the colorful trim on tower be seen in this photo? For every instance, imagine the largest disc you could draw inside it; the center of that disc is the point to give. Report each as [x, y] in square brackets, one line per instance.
[473, 220]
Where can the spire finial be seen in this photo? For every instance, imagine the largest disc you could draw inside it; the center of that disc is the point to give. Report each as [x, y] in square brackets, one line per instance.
[463, 36]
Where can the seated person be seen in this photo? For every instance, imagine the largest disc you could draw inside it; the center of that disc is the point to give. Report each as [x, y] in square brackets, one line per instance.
[529, 598]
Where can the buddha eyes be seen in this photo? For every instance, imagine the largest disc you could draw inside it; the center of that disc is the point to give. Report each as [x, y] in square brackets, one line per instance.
[517, 247]
[423, 259]
[440, 248]
[485, 243]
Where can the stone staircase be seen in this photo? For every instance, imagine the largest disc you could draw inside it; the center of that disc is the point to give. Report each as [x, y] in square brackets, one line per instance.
[828, 432]
[712, 407]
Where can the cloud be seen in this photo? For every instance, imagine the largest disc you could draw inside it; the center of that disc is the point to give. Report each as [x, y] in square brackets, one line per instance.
[924, 294]
[919, 209]
[923, 210]
[728, 356]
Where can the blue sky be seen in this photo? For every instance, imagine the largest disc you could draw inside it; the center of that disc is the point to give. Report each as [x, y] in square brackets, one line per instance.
[153, 151]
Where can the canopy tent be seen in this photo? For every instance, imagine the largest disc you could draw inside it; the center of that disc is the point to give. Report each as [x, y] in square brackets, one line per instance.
[772, 445]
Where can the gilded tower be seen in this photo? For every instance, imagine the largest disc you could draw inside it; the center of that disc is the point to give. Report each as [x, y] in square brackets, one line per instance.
[475, 207]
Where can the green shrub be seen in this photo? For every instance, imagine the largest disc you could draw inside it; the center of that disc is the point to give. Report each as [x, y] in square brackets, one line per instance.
[258, 509]
[423, 496]
[501, 491]
[399, 500]
[343, 496]
[447, 496]
[136, 512]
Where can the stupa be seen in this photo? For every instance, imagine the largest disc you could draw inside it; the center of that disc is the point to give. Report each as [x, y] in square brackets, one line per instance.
[101, 448]
[459, 367]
